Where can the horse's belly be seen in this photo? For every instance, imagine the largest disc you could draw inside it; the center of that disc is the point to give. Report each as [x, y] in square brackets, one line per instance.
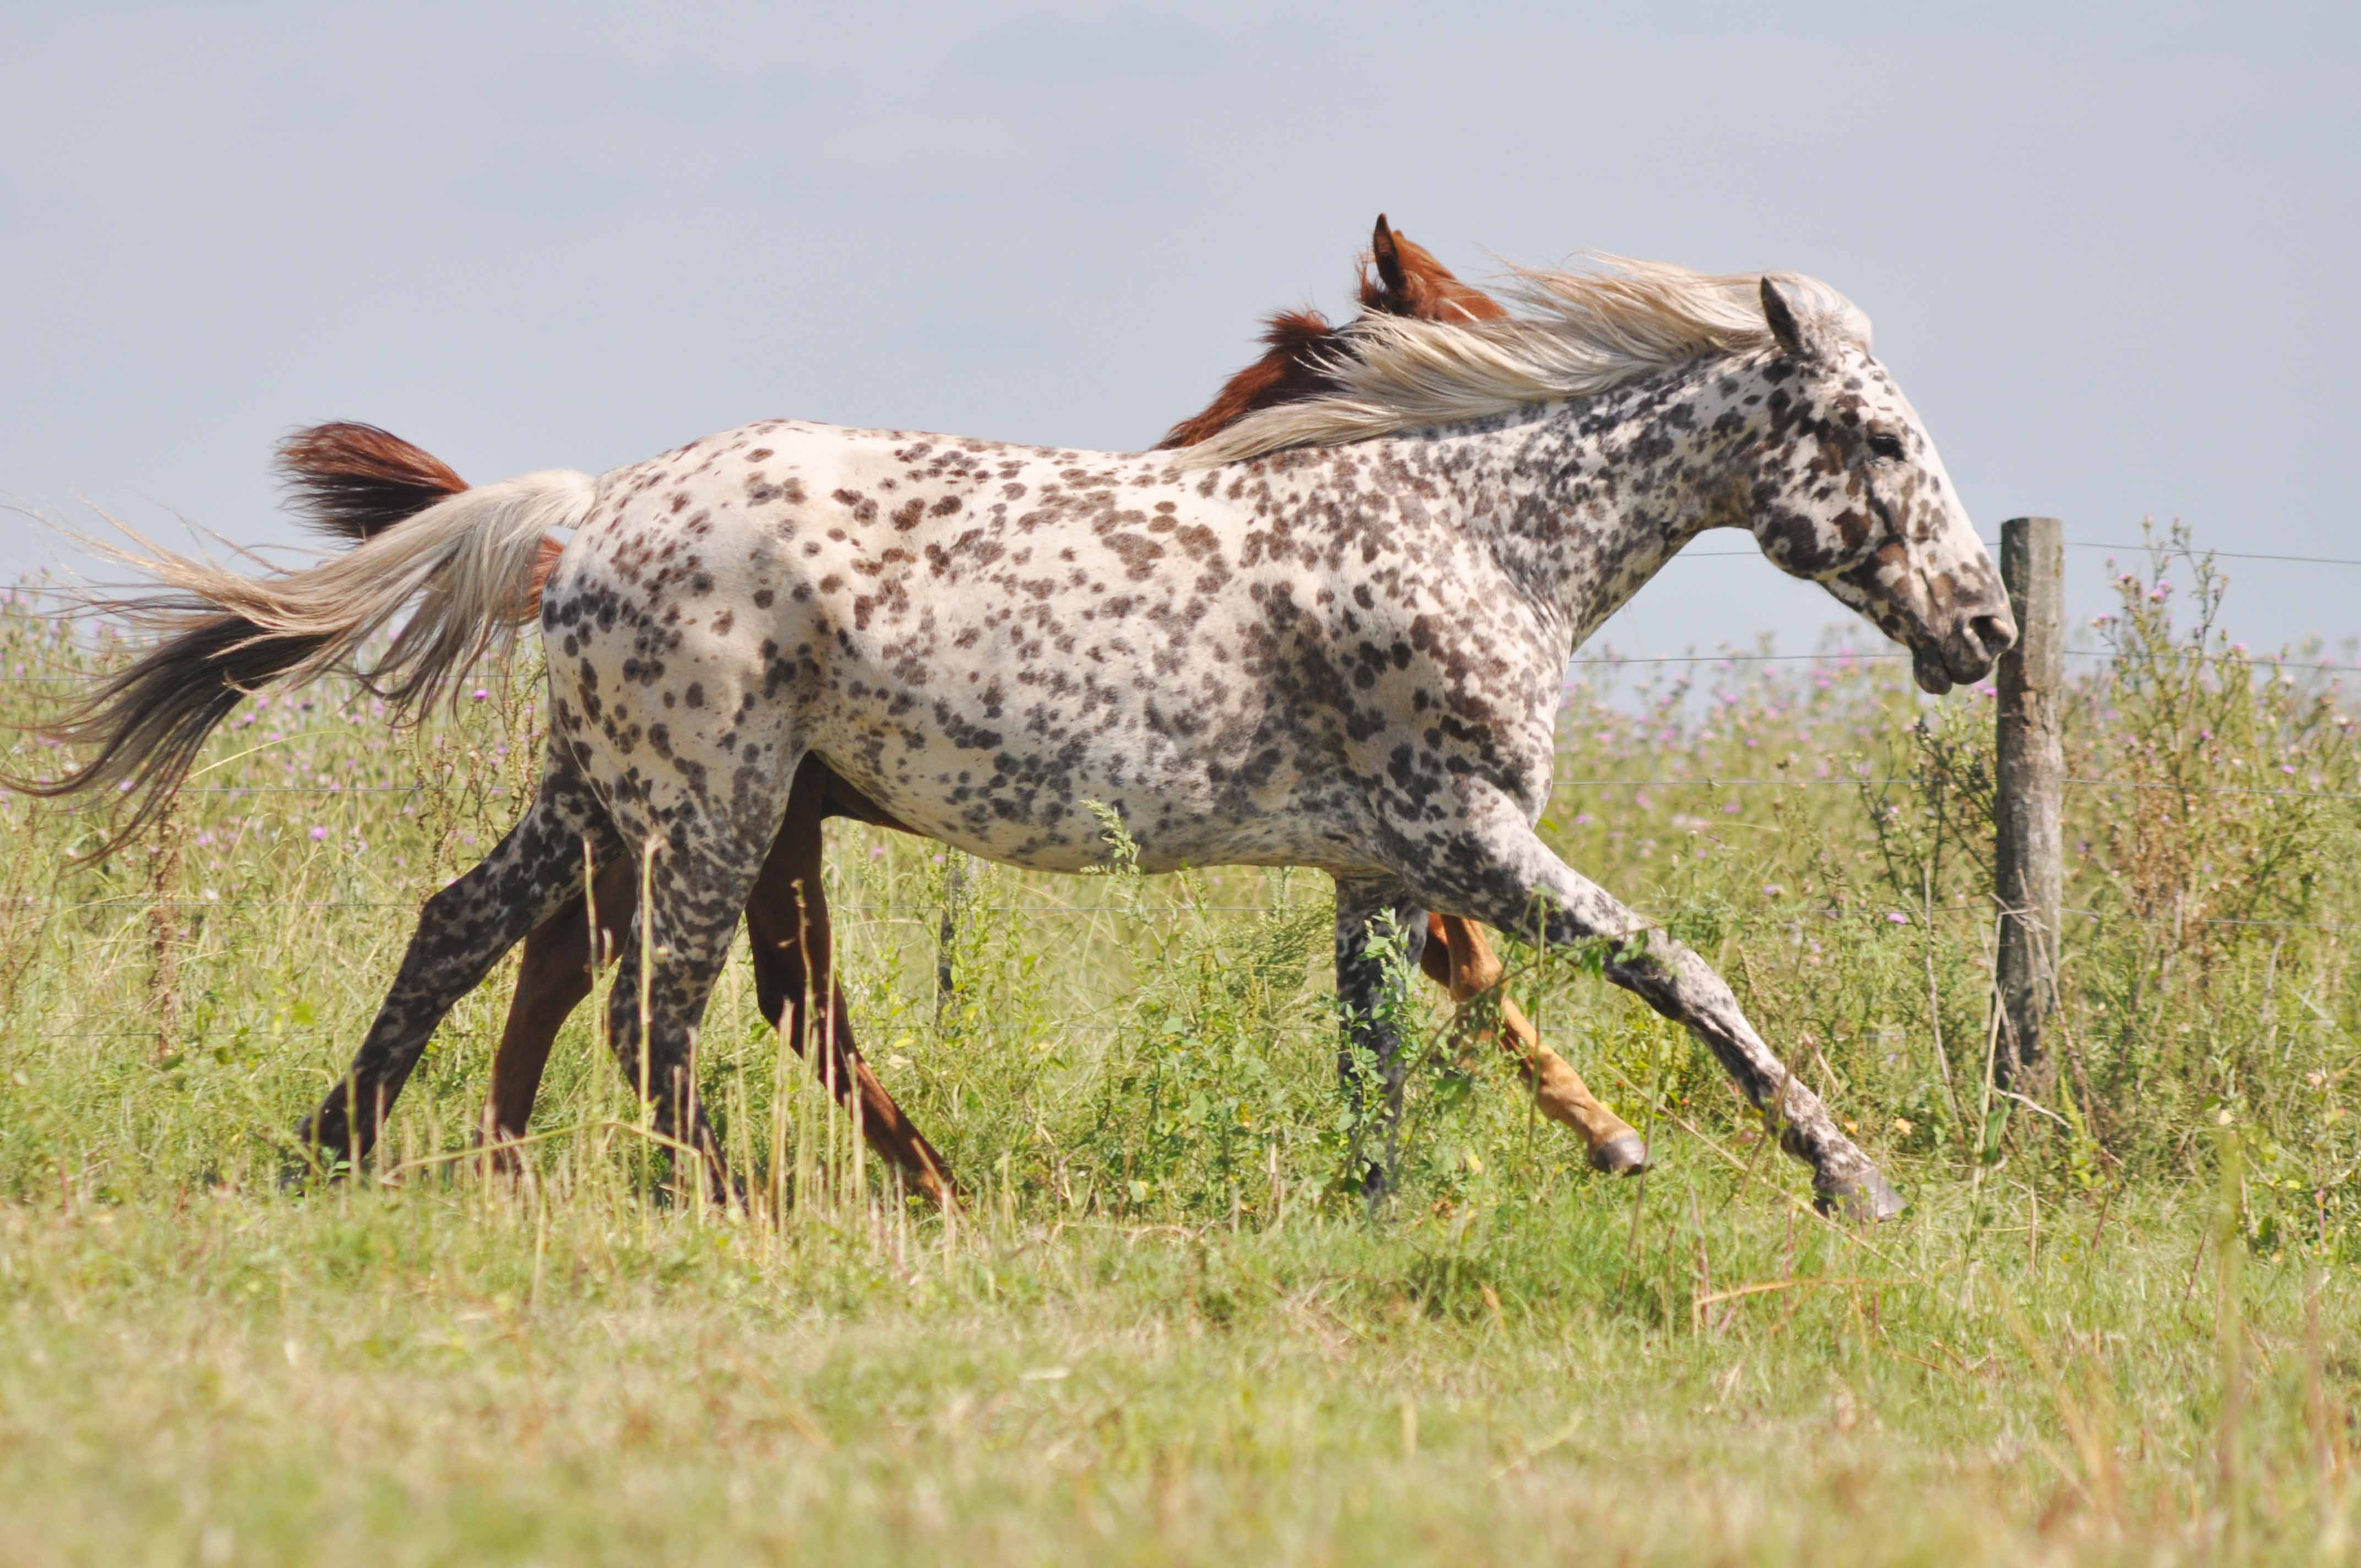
[1062, 815]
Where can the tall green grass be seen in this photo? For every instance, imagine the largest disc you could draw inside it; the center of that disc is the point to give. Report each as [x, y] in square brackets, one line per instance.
[2119, 1321]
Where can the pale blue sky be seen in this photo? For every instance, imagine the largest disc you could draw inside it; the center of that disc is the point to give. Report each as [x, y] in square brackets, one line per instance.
[2109, 249]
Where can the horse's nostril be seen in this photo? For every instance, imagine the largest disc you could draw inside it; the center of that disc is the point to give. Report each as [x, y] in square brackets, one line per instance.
[1993, 633]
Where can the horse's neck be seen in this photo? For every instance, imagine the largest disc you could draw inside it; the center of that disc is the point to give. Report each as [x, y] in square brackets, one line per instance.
[1583, 503]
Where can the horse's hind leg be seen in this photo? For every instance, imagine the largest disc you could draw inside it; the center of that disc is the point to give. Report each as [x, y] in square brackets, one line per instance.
[552, 977]
[463, 931]
[698, 879]
[1498, 870]
[1370, 993]
[1459, 959]
[786, 918]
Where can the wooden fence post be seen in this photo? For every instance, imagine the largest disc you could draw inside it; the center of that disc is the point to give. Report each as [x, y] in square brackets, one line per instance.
[2028, 860]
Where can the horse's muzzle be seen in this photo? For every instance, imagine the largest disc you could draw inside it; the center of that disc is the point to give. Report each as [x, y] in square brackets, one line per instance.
[1967, 654]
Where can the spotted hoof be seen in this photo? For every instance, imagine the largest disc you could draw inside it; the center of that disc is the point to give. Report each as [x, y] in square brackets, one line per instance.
[1867, 1196]
[1626, 1153]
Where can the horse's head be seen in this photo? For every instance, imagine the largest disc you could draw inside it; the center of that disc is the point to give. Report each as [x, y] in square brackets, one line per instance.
[1850, 494]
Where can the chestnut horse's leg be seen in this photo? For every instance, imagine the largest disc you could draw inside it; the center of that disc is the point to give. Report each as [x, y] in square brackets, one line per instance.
[787, 916]
[553, 979]
[1459, 958]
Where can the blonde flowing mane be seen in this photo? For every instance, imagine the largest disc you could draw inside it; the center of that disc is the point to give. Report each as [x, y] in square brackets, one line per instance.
[1572, 335]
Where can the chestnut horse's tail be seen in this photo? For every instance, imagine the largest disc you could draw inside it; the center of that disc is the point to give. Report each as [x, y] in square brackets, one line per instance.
[354, 480]
[472, 560]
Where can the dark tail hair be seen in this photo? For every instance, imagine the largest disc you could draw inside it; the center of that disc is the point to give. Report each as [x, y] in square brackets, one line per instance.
[150, 721]
[224, 635]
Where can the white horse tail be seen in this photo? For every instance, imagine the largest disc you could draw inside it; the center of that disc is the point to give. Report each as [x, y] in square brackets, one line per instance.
[472, 564]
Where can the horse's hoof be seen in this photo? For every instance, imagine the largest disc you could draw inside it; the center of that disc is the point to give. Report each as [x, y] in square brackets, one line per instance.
[1626, 1153]
[1867, 1196]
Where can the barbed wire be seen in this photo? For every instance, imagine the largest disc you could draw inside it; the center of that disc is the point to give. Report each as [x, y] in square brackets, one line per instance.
[2079, 544]
[2218, 555]
[2262, 662]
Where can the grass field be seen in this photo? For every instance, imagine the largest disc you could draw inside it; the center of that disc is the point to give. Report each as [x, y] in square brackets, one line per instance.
[2122, 1323]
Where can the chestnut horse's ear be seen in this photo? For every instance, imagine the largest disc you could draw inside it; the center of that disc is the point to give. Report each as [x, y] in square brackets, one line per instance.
[1801, 339]
[1387, 255]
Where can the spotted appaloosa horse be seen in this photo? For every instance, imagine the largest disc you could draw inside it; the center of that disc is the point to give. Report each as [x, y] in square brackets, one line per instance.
[1332, 635]
[357, 481]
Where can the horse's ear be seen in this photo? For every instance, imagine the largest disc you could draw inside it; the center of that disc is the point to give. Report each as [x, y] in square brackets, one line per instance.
[1802, 340]
[1387, 254]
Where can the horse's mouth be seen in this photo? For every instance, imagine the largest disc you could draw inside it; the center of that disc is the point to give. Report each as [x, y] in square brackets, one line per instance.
[1954, 662]
[1927, 665]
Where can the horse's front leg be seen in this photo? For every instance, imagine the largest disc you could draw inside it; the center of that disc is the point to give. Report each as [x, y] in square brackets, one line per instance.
[1374, 920]
[1460, 959]
[1497, 868]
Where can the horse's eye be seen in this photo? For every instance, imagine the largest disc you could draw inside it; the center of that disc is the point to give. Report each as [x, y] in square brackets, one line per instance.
[1884, 443]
